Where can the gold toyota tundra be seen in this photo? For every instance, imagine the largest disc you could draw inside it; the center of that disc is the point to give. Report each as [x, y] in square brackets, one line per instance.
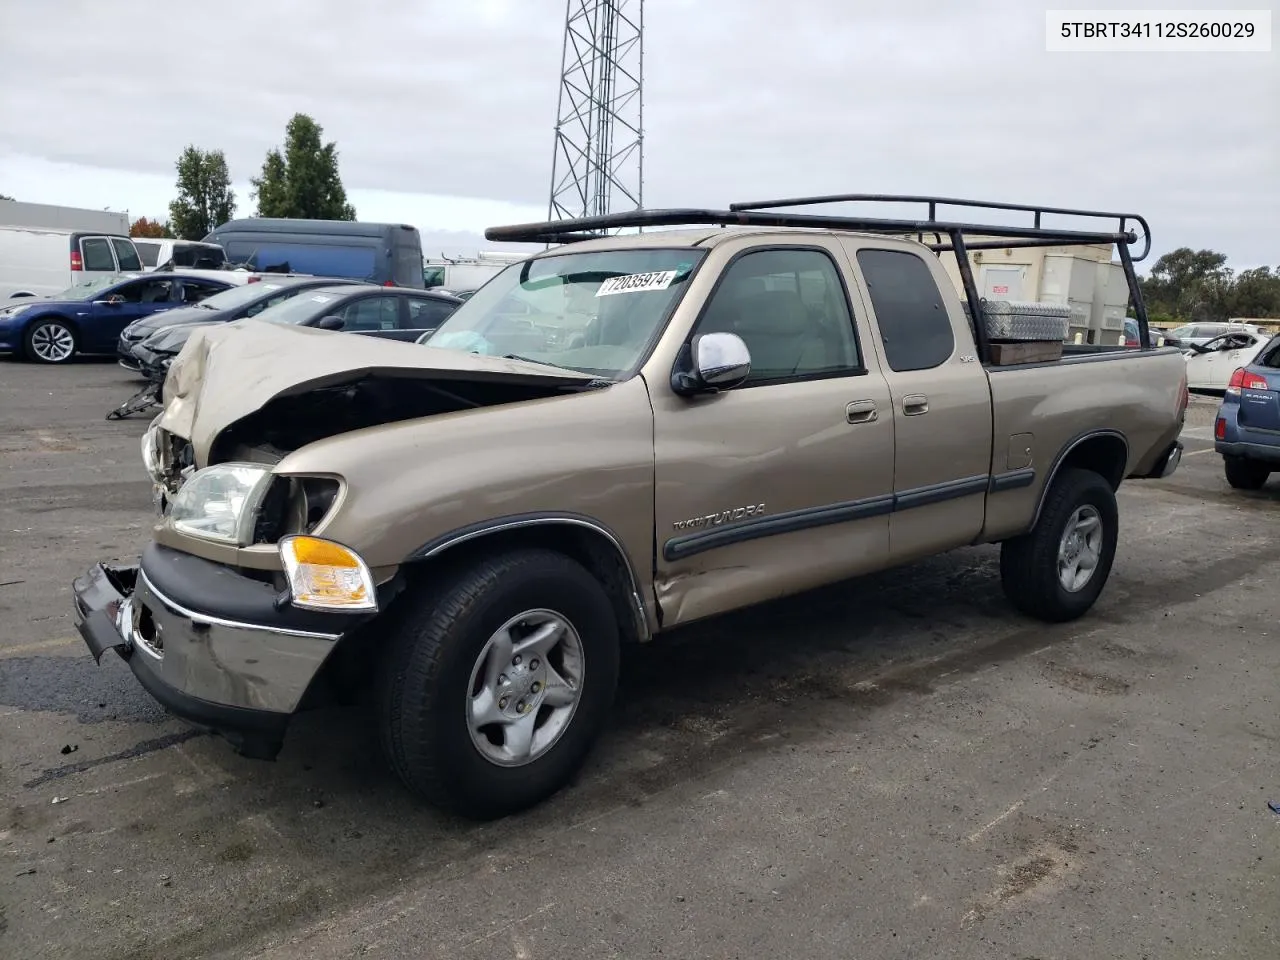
[614, 437]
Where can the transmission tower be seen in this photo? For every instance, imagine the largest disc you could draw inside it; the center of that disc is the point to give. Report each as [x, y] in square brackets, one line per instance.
[598, 163]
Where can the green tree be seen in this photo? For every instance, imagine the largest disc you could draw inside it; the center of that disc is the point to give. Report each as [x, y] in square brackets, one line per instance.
[1256, 293]
[303, 182]
[1192, 284]
[5, 196]
[205, 198]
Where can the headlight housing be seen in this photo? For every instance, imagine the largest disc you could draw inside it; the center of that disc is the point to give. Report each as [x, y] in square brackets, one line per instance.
[324, 575]
[221, 503]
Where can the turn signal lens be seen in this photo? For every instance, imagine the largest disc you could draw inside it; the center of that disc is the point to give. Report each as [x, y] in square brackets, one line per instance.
[324, 575]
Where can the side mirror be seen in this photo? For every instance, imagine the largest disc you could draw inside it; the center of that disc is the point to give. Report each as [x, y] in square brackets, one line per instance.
[331, 323]
[713, 362]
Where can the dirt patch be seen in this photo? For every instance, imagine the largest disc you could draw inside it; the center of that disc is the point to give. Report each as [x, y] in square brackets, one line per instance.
[1082, 681]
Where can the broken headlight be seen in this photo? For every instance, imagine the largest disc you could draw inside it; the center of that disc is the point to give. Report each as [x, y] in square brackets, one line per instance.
[221, 502]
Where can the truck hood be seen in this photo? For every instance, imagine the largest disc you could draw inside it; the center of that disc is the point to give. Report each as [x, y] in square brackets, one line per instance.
[228, 371]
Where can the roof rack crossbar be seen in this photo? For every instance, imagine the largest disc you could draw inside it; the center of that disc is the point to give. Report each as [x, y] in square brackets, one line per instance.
[1037, 210]
[582, 228]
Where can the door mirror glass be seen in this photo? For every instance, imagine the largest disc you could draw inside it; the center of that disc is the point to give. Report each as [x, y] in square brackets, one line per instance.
[713, 362]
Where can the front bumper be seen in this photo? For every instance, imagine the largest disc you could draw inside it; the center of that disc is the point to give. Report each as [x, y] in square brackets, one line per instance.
[212, 646]
[125, 354]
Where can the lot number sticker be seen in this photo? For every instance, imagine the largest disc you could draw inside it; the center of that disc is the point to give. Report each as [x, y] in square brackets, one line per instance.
[636, 282]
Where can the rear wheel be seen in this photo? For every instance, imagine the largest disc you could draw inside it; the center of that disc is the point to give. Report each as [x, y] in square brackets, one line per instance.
[496, 683]
[1057, 571]
[52, 340]
[1246, 474]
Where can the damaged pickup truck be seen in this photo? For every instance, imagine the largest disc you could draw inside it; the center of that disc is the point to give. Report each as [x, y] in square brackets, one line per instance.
[613, 438]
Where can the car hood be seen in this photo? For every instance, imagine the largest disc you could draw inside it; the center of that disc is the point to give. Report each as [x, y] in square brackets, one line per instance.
[227, 371]
[170, 318]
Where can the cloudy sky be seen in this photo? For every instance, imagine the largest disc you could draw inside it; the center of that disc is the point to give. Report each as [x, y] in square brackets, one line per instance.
[443, 110]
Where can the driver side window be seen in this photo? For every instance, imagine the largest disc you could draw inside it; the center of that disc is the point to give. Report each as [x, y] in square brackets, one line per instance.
[790, 309]
[145, 291]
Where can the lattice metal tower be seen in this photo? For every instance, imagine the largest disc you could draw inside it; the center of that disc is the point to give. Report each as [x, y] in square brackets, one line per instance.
[598, 163]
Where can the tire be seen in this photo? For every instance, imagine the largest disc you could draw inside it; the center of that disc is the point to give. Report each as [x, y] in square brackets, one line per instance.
[51, 340]
[1245, 474]
[432, 665]
[1030, 564]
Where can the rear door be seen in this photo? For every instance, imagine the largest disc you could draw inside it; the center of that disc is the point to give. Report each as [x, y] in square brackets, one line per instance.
[941, 402]
[97, 259]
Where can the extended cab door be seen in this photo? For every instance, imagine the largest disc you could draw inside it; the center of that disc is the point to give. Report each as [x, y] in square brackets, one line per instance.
[784, 482]
[941, 399]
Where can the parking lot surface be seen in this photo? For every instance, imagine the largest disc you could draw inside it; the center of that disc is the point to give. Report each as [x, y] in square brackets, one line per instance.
[898, 767]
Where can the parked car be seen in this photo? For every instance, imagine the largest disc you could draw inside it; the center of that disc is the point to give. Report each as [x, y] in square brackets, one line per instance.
[1210, 365]
[244, 300]
[384, 253]
[388, 313]
[39, 262]
[1246, 431]
[1198, 334]
[1155, 338]
[165, 253]
[714, 418]
[88, 317]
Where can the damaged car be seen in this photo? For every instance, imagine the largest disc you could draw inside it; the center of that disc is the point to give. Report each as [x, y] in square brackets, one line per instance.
[615, 437]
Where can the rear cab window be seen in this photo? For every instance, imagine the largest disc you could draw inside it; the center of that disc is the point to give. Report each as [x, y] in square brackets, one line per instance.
[910, 311]
[148, 252]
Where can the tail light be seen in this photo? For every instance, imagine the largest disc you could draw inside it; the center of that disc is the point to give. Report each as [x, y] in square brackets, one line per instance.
[76, 262]
[1242, 379]
[253, 279]
[389, 283]
[1220, 429]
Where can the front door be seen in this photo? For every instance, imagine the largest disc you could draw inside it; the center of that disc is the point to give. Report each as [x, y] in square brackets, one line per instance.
[124, 304]
[783, 483]
[941, 405]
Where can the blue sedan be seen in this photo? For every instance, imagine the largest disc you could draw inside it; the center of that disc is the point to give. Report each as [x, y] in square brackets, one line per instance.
[1247, 429]
[88, 317]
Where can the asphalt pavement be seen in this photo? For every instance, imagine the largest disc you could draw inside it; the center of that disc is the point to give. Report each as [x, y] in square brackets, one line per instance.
[898, 767]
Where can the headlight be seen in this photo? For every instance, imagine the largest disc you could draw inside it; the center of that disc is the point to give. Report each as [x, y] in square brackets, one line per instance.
[221, 502]
[324, 575]
[152, 455]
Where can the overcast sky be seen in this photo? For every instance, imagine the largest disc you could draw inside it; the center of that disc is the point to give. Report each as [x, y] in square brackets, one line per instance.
[443, 110]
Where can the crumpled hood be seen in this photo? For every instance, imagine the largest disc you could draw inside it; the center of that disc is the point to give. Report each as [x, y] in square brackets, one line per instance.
[226, 371]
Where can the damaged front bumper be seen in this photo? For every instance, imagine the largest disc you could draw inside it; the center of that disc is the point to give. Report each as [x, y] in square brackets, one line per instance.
[214, 647]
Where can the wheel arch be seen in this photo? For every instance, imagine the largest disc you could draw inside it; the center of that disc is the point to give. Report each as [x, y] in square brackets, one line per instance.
[1105, 452]
[583, 538]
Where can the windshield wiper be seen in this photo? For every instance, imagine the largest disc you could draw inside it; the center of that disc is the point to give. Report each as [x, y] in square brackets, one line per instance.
[516, 356]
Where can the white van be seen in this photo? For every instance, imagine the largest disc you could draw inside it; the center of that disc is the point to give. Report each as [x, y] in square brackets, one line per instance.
[37, 262]
[180, 254]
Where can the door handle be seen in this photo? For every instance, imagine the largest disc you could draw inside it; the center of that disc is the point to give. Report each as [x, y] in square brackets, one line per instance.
[861, 411]
[915, 404]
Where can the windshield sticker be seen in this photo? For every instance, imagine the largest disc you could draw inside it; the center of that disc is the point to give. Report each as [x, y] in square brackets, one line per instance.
[321, 299]
[636, 282]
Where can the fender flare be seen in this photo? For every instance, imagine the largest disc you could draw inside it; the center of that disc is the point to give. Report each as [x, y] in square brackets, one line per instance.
[438, 545]
[1062, 456]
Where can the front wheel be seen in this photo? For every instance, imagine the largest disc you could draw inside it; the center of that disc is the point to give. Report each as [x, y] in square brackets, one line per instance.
[496, 683]
[1057, 571]
[1245, 474]
[51, 341]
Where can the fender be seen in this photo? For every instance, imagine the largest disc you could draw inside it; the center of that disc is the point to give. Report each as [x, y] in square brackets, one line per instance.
[438, 545]
[1063, 454]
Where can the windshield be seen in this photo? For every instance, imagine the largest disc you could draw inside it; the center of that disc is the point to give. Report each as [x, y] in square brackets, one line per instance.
[593, 312]
[238, 296]
[86, 290]
[300, 309]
